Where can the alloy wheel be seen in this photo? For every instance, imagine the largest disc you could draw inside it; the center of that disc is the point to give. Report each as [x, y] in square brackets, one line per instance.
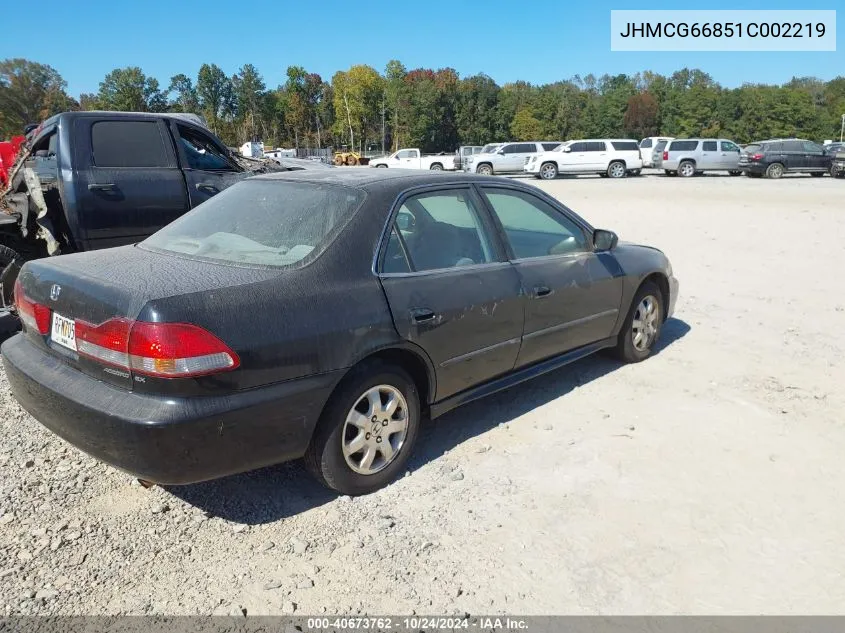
[375, 429]
[617, 170]
[548, 172]
[645, 323]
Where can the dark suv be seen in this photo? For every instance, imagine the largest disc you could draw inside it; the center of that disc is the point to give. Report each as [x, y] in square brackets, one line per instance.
[776, 157]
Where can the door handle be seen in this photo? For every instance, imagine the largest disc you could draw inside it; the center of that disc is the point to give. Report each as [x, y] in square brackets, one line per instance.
[205, 186]
[542, 291]
[422, 315]
[101, 186]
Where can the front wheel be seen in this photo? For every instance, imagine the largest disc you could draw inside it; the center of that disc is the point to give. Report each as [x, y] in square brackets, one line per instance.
[548, 171]
[366, 431]
[10, 265]
[642, 326]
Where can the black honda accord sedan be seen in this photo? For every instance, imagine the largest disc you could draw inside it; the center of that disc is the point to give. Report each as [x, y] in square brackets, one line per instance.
[321, 315]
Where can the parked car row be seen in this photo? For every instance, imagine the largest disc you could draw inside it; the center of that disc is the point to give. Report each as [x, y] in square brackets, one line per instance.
[613, 158]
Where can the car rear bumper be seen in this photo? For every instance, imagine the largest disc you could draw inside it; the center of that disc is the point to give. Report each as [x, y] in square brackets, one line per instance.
[165, 439]
[754, 168]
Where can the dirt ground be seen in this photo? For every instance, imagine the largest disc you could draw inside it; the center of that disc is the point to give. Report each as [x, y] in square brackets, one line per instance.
[705, 480]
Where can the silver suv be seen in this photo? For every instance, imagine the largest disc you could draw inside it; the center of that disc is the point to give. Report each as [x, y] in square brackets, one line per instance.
[689, 156]
[510, 157]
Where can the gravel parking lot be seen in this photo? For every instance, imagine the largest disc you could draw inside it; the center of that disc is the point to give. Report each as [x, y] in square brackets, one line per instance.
[705, 480]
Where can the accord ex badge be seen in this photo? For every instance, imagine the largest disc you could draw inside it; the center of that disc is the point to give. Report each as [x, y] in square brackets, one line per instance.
[55, 291]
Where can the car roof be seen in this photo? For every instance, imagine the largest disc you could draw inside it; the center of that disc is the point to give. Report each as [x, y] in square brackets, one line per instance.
[365, 178]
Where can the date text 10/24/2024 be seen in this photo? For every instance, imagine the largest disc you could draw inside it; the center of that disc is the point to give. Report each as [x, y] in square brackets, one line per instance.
[416, 623]
[728, 30]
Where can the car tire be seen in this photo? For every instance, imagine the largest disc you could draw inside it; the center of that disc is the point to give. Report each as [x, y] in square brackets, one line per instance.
[484, 169]
[645, 317]
[774, 171]
[382, 166]
[436, 167]
[327, 457]
[616, 169]
[686, 169]
[10, 265]
[548, 171]
[735, 173]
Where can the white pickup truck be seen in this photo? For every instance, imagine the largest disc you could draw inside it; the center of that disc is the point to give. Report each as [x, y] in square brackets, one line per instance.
[413, 159]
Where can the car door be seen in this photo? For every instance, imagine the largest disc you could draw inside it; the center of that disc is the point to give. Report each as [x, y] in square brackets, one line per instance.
[511, 158]
[597, 156]
[129, 183]
[709, 157]
[575, 159]
[794, 156]
[207, 165]
[815, 156]
[729, 155]
[450, 287]
[573, 294]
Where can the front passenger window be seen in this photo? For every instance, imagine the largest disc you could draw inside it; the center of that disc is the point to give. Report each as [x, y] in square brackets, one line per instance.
[533, 227]
[201, 153]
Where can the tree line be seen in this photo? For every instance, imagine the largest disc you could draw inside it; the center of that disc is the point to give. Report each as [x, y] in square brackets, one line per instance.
[436, 110]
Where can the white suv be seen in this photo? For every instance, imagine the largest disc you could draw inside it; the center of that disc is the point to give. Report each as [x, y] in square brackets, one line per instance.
[509, 157]
[614, 158]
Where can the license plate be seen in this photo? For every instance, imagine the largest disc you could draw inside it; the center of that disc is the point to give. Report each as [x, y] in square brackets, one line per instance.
[64, 331]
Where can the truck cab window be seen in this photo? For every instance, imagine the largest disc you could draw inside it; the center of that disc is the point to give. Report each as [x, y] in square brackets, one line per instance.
[128, 144]
[201, 153]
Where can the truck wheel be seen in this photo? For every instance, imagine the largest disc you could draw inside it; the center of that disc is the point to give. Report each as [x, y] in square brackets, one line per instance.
[616, 169]
[686, 169]
[382, 166]
[436, 167]
[485, 170]
[548, 171]
[10, 265]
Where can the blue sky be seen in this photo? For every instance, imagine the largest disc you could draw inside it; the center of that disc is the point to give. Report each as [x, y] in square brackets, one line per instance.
[535, 41]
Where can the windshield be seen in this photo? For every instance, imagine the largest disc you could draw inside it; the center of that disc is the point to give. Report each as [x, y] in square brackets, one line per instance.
[261, 222]
[489, 148]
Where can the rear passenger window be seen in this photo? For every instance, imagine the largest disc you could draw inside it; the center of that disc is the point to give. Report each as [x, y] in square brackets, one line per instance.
[793, 146]
[682, 146]
[708, 146]
[534, 227]
[626, 146]
[128, 144]
[394, 259]
[596, 146]
[442, 230]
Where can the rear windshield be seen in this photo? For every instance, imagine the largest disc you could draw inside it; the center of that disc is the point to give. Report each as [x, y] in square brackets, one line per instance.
[752, 149]
[682, 146]
[261, 222]
[660, 145]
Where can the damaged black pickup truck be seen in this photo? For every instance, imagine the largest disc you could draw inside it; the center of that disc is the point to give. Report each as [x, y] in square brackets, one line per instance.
[89, 180]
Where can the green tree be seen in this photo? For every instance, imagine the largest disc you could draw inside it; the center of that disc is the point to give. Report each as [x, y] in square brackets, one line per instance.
[130, 90]
[215, 95]
[357, 98]
[249, 91]
[29, 93]
[476, 109]
[525, 126]
[186, 95]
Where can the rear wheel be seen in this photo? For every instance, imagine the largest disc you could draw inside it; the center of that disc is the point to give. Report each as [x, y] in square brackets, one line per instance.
[366, 431]
[382, 166]
[338, 160]
[351, 161]
[436, 167]
[548, 171]
[775, 170]
[616, 169]
[642, 326]
[485, 169]
[686, 169]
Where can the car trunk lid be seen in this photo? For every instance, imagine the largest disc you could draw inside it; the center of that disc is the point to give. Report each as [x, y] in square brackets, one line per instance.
[88, 289]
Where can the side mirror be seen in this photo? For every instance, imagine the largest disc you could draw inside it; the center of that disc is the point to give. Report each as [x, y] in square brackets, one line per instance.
[405, 221]
[604, 240]
[567, 149]
[500, 152]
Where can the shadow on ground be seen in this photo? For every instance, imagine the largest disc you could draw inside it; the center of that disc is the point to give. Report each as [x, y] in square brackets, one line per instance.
[274, 493]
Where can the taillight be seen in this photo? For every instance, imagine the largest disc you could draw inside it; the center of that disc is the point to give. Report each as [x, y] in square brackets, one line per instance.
[665, 155]
[756, 157]
[33, 315]
[165, 350]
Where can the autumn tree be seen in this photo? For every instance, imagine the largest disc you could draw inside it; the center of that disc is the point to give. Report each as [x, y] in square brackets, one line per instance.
[29, 93]
[641, 115]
